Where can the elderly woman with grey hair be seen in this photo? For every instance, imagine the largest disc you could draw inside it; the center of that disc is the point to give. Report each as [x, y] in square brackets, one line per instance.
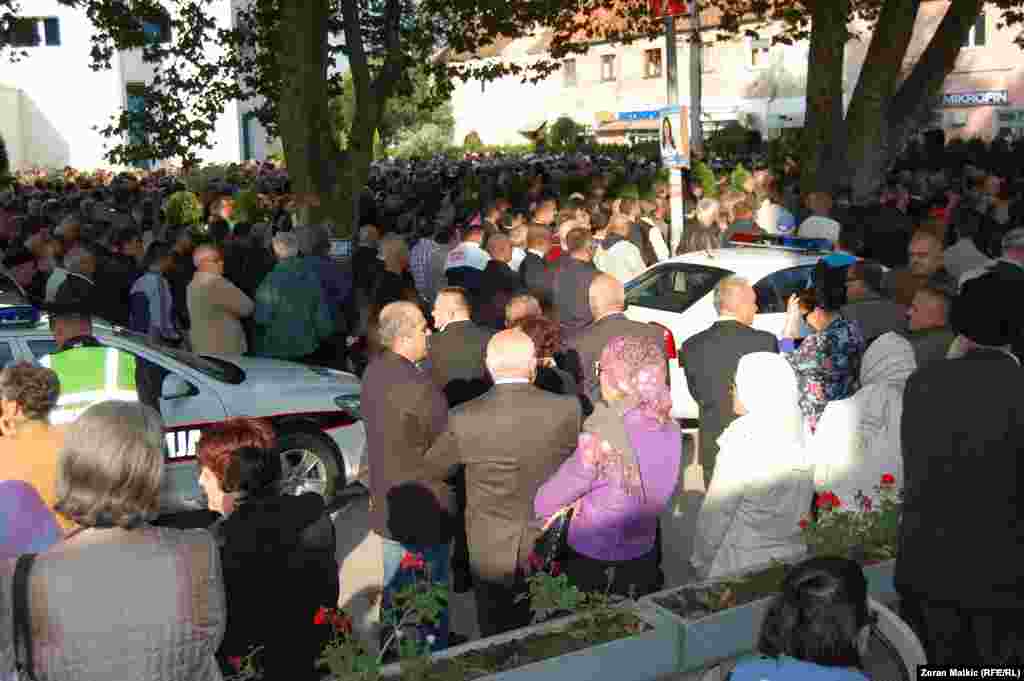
[116, 625]
[292, 316]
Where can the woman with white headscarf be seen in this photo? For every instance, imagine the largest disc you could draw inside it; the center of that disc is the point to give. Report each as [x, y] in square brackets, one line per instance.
[762, 484]
[858, 439]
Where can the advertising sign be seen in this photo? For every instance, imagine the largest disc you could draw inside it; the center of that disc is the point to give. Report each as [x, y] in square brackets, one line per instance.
[674, 134]
[980, 98]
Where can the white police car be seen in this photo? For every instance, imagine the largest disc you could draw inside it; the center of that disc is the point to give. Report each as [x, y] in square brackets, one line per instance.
[677, 295]
[315, 411]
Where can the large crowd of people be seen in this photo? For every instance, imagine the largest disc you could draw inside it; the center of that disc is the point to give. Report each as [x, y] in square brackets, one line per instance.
[504, 386]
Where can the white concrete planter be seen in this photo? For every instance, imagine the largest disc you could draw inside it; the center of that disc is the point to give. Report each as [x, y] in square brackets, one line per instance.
[643, 657]
[734, 632]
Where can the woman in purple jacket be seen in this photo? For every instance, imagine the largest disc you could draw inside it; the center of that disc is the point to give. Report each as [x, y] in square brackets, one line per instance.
[622, 475]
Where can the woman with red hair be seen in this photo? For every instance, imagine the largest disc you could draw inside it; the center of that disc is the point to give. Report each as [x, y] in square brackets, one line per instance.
[277, 551]
[622, 475]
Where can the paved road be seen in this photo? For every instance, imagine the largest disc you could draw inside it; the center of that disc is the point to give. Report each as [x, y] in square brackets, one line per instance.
[359, 557]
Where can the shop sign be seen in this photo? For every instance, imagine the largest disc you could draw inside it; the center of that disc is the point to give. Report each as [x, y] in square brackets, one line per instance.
[979, 98]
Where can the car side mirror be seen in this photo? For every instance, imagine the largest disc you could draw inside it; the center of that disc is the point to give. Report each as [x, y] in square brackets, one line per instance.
[175, 387]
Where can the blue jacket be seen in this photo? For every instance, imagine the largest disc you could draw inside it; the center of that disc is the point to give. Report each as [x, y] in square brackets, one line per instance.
[791, 669]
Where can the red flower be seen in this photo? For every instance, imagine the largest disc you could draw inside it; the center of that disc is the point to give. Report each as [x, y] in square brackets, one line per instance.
[341, 622]
[412, 561]
[866, 503]
[888, 479]
[235, 662]
[320, 617]
[828, 500]
[804, 523]
[555, 568]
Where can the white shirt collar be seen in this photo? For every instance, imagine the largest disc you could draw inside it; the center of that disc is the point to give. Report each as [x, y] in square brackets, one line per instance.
[506, 381]
[536, 253]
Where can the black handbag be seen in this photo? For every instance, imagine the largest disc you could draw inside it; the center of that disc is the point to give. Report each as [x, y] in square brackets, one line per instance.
[552, 545]
[23, 618]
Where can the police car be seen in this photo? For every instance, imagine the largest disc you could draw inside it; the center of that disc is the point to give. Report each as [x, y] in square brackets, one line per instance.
[315, 411]
[677, 295]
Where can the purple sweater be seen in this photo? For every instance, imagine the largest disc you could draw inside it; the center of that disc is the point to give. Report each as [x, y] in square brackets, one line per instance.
[610, 524]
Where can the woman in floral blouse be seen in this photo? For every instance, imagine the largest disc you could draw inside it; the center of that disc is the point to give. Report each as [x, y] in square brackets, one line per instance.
[827, 362]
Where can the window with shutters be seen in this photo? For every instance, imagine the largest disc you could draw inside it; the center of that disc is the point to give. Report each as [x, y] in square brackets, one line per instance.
[608, 68]
[569, 73]
[652, 63]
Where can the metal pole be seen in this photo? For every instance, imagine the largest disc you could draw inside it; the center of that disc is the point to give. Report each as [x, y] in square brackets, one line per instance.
[676, 225]
[696, 68]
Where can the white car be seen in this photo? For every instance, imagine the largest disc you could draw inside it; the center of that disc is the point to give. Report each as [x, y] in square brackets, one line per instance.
[677, 295]
[315, 411]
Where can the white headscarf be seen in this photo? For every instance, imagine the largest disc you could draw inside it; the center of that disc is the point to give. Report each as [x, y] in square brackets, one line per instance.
[767, 387]
[858, 439]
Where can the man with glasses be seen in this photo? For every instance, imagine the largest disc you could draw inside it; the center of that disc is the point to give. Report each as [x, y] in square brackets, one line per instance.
[216, 306]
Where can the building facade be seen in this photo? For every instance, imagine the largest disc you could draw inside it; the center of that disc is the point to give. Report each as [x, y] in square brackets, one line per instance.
[614, 89]
[51, 101]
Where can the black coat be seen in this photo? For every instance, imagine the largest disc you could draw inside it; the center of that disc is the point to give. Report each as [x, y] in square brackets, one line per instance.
[457, 361]
[709, 360]
[534, 273]
[279, 564]
[961, 534]
[498, 284]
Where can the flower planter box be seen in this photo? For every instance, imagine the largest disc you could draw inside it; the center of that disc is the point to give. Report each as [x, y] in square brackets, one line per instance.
[645, 656]
[716, 637]
[733, 632]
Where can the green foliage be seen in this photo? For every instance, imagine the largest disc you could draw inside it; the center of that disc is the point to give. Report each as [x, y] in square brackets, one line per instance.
[249, 208]
[425, 142]
[628, 191]
[727, 143]
[786, 145]
[705, 177]
[472, 142]
[863, 530]
[183, 209]
[739, 177]
[563, 134]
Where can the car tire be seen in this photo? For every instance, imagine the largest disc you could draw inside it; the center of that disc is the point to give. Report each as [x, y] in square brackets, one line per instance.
[309, 463]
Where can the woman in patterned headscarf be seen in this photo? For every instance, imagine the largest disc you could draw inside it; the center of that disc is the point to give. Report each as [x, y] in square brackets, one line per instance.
[622, 475]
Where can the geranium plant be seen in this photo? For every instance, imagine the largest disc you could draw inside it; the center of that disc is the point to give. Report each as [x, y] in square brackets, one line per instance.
[861, 528]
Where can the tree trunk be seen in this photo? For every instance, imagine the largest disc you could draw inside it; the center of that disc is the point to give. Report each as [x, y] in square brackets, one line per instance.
[915, 98]
[824, 106]
[879, 76]
[310, 150]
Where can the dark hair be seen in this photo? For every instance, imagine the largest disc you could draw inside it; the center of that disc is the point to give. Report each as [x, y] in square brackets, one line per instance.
[156, 251]
[258, 471]
[817, 617]
[220, 445]
[125, 235]
[545, 334]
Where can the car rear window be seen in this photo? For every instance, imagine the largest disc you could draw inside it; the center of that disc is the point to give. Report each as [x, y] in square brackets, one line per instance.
[673, 288]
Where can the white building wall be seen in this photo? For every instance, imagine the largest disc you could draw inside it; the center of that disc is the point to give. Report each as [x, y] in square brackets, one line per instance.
[51, 100]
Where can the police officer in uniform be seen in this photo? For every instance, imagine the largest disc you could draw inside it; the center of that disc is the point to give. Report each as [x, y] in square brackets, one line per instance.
[89, 372]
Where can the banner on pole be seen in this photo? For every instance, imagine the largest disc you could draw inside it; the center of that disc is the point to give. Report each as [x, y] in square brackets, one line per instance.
[675, 137]
[669, 8]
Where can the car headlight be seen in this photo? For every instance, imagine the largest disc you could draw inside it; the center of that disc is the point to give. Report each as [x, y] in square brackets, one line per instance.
[350, 404]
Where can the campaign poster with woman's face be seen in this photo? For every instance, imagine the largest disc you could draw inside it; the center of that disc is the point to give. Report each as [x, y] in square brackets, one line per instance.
[675, 138]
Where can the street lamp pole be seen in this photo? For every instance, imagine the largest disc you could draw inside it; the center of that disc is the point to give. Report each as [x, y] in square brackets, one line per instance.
[676, 225]
[696, 69]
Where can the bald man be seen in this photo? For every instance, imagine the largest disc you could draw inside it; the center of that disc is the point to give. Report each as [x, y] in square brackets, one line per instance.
[511, 440]
[497, 285]
[215, 306]
[711, 356]
[608, 305]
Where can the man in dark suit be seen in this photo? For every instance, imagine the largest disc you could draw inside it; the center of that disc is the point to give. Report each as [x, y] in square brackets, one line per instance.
[457, 348]
[571, 284]
[608, 305]
[497, 285]
[961, 491]
[404, 413]
[534, 270]
[511, 440]
[457, 367]
[710, 358]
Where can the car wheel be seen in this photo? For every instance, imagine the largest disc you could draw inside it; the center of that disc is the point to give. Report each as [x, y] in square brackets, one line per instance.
[309, 464]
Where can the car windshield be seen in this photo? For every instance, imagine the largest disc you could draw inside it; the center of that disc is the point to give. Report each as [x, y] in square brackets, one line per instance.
[214, 367]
